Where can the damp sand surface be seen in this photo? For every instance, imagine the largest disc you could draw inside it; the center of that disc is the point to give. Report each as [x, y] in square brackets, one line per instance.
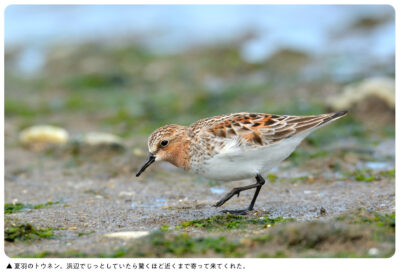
[94, 195]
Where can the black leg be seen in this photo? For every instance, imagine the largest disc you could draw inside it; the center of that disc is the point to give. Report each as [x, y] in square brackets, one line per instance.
[237, 190]
[260, 181]
[233, 192]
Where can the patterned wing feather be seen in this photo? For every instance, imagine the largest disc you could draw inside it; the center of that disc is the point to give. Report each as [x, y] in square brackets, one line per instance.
[259, 129]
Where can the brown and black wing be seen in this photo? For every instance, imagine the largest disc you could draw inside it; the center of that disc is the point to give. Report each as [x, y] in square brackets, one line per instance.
[259, 129]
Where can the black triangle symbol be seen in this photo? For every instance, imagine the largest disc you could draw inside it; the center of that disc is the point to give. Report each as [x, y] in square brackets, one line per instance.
[9, 266]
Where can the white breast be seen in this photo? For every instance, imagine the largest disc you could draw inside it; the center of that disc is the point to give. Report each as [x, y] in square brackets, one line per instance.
[236, 163]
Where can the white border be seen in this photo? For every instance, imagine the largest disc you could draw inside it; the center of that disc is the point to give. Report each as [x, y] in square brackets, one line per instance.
[252, 265]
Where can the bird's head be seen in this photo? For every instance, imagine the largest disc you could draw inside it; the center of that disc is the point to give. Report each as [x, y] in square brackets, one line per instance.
[168, 143]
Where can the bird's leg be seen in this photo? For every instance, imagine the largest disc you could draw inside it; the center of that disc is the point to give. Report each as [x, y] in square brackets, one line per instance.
[260, 182]
[233, 192]
[237, 190]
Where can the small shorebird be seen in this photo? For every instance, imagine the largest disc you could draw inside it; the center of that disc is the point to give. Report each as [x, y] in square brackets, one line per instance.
[233, 146]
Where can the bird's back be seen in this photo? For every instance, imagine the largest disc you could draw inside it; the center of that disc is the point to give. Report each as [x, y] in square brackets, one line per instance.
[241, 145]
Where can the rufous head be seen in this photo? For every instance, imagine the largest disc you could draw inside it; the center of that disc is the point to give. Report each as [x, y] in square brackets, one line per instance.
[168, 143]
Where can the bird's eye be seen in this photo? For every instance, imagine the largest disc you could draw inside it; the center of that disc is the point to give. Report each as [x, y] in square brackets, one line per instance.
[164, 143]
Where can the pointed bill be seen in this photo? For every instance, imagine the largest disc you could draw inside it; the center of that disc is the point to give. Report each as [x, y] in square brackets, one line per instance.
[149, 161]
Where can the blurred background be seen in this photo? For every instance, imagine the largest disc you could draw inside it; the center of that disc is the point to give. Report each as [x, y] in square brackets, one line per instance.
[130, 69]
[86, 84]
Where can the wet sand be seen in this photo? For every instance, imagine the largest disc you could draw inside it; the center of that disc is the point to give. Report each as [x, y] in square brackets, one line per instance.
[100, 194]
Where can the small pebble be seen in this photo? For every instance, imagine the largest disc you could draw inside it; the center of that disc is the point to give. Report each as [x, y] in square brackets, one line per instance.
[127, 234]
[126, 194]
[101, 138]
[373, 251]
[43, 134]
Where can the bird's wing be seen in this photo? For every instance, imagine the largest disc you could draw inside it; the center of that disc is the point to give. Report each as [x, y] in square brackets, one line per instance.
[259, 129]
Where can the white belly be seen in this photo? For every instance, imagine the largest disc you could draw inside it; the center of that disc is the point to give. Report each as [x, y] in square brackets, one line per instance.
[240, 164]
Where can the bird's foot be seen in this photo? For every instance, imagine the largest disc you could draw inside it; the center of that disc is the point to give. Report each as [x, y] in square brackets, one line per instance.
[236, 211]
[227, 197]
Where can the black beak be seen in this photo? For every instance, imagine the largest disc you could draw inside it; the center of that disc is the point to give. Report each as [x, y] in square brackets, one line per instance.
[149, 161]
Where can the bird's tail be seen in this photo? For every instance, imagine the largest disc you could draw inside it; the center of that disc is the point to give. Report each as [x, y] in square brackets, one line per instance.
[330, 117]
